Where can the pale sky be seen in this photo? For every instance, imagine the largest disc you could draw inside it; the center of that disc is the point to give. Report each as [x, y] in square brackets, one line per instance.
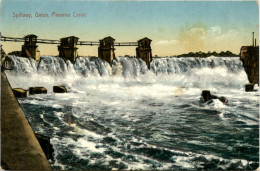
[175, 27]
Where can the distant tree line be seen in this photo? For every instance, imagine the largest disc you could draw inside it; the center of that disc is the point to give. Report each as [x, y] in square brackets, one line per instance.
[203, 54]
[15, 53]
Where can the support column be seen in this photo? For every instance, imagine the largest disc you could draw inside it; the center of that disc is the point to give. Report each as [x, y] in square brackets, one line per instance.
[249, 55]
[29, 49]
[144, 51]
[106, 50]
[68, 48]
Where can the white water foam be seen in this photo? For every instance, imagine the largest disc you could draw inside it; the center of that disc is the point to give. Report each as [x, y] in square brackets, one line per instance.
[136, 108]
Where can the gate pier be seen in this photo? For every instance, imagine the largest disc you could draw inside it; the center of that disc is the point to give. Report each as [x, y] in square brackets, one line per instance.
[68, 48]
[106, 50]
[144, 51]
[30, 49]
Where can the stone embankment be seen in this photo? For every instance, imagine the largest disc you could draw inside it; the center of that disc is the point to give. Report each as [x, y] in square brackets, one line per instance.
[20, 149]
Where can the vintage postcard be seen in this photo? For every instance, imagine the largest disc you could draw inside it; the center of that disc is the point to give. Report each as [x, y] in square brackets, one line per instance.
[129, 85]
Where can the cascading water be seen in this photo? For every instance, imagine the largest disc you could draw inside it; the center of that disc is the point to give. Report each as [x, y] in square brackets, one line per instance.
[125, 116]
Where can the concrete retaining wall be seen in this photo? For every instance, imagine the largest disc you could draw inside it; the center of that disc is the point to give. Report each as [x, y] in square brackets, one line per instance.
[20, 150]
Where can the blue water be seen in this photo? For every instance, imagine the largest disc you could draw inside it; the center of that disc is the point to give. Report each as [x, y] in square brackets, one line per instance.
[129, 117]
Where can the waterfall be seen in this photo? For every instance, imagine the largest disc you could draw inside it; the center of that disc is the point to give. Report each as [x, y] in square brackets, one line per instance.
[125, 66]
[187, 71]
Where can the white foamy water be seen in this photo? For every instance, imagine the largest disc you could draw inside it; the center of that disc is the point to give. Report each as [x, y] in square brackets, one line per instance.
[125, 116]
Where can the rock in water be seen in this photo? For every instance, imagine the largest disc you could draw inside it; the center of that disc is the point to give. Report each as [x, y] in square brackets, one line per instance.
[19, 92]
[37, 90]
[223, 99]
[59, 89]
[249, 87]
[45, 144]
[206, 96]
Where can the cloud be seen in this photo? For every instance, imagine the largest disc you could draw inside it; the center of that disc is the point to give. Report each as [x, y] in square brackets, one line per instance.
[216, 33]
[201, 39]
[196, 32]
[192, 39]
[230, 34]
[215, 30]
[211, 39]
[218, 40]
[166, 42]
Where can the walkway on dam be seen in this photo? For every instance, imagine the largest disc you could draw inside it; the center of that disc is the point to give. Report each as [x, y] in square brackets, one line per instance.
[20, 149]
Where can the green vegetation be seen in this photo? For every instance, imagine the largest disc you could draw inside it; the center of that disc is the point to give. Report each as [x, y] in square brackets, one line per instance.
[203, 54]
[15, 53]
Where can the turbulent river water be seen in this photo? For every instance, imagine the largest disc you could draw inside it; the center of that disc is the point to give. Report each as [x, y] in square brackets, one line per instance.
[125, 116]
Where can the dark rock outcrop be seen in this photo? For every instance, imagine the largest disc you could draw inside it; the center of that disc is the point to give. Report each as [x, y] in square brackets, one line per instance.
[249, 87]
[37, 90]
[19, 92]
[206, 96]
[249, 55]
[59, 89]
[46, 145]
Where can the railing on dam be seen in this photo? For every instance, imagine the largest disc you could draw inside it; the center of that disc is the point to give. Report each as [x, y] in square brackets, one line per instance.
[67, 47]
[49, 41]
